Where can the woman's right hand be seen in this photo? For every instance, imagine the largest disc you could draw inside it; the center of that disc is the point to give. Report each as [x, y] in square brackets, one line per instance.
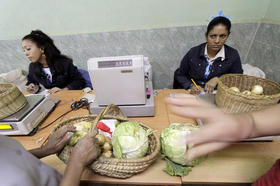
[194, 90]
[31, 88]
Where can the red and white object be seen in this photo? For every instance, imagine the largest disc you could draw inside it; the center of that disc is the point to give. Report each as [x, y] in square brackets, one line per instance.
[107, 127]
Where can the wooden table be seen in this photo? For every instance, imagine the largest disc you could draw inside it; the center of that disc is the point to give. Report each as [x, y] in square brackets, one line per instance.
[240, 163]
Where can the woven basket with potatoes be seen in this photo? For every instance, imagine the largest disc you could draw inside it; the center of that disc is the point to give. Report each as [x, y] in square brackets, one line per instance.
[114, 167]
[239, 93]
[11, 100]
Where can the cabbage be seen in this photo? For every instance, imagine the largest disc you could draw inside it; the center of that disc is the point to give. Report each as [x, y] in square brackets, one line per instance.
[82, 128]
[174, 148]
[130, 140]
[173, 144]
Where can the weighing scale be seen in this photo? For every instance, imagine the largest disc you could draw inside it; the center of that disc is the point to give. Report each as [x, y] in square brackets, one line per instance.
[26, 120]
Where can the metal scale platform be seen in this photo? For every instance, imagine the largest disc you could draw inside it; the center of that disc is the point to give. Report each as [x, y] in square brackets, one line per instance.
[26, 120]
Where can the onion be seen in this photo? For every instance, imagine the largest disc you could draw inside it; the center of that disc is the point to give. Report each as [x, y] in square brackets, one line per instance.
[234, 89]
[100, 139]
[108, 139]
[107, 154]
[257, 89]
[106, 146]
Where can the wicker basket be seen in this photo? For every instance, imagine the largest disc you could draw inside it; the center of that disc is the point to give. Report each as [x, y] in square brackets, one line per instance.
[236, 102]
[11, 100]
[113, 167]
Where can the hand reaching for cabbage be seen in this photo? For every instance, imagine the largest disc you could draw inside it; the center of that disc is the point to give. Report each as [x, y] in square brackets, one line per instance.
[212, 136]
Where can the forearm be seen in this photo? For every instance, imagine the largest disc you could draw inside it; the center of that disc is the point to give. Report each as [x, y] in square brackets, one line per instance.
[40, 152]
[72, 174]
[266, 122]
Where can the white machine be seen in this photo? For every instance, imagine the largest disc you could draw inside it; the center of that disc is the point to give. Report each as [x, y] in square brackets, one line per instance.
[124, 81]
[26, 120]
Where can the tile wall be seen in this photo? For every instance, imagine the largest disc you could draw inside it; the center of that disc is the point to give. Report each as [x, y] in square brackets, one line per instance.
[258, 44]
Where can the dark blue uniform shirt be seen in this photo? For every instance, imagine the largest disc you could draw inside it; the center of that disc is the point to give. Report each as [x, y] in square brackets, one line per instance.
[69, 77]
[193, 66]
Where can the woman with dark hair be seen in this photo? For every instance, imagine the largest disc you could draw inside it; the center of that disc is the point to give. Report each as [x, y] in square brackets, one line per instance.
[204, 64]
[48, 66]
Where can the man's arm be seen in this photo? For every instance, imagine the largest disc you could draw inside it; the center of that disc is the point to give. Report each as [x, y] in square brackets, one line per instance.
[55, 142]
[84, 152]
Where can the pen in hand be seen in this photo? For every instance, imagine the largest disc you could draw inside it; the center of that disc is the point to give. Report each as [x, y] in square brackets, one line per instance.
[195, 84]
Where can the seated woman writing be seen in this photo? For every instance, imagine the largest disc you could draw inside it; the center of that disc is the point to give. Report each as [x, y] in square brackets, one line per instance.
[203, 64]
[48, 66]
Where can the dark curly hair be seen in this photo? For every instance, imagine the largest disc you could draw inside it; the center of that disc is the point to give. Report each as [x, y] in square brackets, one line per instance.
[51, 52]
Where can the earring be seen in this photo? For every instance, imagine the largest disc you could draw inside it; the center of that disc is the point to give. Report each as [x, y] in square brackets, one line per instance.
[43, 55]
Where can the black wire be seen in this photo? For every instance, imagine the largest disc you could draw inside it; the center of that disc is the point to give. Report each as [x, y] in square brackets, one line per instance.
[80, 104]
[74, 106]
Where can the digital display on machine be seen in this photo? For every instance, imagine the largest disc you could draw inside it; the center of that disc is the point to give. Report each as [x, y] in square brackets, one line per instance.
[6, 127]
[115, 63]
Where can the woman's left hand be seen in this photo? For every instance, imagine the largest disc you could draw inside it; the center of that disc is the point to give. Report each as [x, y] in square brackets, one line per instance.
[211, 84]
[31, 88]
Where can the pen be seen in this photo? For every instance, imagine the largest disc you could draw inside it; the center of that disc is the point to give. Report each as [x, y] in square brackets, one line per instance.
[195, 84]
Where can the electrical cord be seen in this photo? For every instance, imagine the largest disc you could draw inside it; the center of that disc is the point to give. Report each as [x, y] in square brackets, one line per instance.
[82, 103]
